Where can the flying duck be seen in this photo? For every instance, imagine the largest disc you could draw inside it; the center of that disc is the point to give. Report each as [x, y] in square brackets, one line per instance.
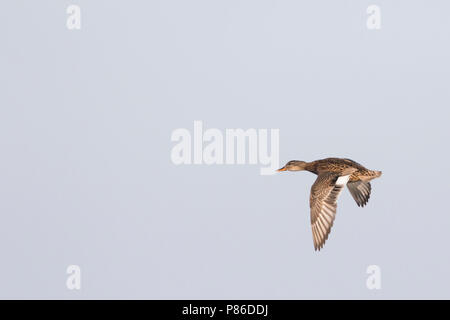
[333, 174]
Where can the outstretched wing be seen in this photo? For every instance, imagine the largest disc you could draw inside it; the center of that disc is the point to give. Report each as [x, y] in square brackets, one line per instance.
[323, 203]
[360, 191]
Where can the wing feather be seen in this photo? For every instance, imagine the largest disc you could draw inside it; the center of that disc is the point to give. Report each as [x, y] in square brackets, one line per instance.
[360, 191]
[323, 202]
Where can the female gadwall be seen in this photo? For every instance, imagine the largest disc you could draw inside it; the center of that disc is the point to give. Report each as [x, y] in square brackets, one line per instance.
[332, 176]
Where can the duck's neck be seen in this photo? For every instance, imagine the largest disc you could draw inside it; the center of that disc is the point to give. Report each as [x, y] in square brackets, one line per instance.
[311, 167]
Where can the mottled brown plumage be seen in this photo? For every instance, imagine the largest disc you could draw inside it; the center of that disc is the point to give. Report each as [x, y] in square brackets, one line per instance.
[333, 174]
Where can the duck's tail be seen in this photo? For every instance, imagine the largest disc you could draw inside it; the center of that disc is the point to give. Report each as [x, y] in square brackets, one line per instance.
[376, 174]
[371, 174]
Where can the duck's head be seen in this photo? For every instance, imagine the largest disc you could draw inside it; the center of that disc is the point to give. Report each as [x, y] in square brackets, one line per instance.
[294, 165]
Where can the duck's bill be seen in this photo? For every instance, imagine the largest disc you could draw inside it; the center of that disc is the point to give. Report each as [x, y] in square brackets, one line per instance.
[282, 169]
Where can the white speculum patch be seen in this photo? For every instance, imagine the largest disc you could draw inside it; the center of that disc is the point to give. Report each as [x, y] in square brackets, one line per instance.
[342, 180]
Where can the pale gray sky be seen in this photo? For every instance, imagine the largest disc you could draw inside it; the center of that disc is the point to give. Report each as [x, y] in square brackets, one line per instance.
[86, 118]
